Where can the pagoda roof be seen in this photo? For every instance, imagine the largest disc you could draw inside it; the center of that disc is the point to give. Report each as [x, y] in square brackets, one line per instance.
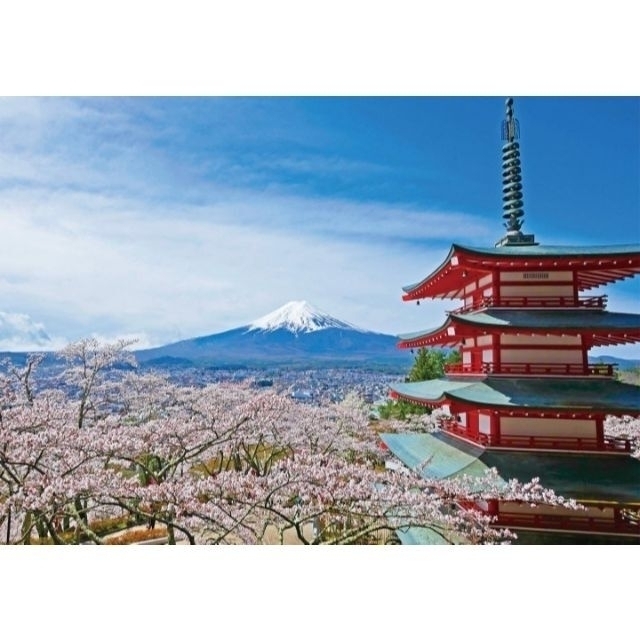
[570, 394]
[605, 327]
[597, 265]
[573, 475]
[446, 457]
[552, 319]
[563, 251]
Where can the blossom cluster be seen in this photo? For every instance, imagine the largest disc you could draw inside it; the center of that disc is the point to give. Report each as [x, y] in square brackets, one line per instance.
[626, 427]
[224, 463]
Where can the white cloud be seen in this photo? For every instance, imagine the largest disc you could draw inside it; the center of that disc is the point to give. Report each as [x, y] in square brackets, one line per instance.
[18, 332]
[110, 264]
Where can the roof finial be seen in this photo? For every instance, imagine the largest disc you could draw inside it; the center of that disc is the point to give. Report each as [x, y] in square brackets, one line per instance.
[510, 126]
[511, 172]
[512, 181]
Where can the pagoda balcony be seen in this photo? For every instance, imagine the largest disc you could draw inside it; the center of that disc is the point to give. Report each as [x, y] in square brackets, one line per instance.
[535, 302]
[623, 521]
[549, 443]
[532, 369]
[560, 443]
[623, 525]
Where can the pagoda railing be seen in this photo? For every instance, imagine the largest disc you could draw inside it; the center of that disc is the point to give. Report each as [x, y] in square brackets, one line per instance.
[458, 367]
[544, 302]
[559, 443]
[623, 520]
[451, 426]
[535, 368]
[617, 444]
[568, 522]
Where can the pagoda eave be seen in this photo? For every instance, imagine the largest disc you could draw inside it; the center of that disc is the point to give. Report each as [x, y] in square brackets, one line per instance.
[602, 340]
[431, 404]
[615, 481]
[448, 280]
[441, 339]
[593, 267]
[453, 333]
[458, 406]
[515, 394]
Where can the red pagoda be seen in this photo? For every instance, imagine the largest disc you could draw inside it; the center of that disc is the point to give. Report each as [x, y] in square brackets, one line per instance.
[524, 397]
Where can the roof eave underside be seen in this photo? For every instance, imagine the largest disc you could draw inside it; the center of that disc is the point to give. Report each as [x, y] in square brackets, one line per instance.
[457, 327]
[412, 290]
[597, 396]
[429, 337]
[596, 266]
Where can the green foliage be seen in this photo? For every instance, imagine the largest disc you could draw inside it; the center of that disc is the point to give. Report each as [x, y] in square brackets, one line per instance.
[151, 469]
[429, 364]
[400, 410]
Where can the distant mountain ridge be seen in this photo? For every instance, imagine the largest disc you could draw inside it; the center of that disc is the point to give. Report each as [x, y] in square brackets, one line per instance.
[296, 333]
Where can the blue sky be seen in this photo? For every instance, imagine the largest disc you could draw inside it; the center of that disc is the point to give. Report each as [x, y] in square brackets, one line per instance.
[169, 218]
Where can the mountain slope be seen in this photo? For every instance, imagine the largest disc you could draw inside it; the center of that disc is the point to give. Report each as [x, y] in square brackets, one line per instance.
[296, 333]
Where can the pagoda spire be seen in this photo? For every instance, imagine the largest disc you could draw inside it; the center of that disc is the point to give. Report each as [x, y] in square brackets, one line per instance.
[513, 213]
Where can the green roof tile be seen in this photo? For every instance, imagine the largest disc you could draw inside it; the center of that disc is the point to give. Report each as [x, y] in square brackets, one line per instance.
[444, 460]
[539, 393]
[571, 319]
[429, 389]
[420, 535]
[573, 475]
[554, 250]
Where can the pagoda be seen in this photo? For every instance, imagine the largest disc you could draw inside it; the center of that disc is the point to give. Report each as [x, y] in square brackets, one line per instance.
[525, 398]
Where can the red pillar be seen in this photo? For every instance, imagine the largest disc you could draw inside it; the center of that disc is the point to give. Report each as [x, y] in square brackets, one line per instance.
[576, 292]
[473, 421]
[600, 432]
[585, 355]
[495, 429]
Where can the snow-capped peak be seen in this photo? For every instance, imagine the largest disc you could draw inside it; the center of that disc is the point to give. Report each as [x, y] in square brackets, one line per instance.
[299, 317]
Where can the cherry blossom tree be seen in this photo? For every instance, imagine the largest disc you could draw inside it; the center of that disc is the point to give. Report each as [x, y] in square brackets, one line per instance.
[626, 427]
[219, 464]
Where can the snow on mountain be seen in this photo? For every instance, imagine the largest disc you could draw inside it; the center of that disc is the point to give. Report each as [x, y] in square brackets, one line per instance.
[299, 317]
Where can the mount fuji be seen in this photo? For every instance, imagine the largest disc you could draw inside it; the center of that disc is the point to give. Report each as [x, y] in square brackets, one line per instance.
[295, 334]
[299, 317]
